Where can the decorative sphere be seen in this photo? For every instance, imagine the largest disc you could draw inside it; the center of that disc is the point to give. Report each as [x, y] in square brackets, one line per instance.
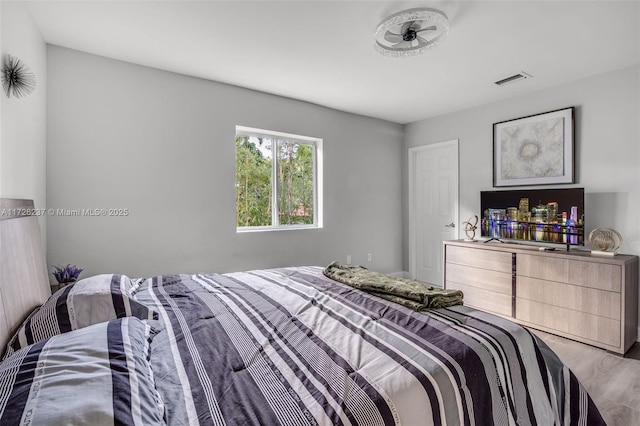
[605, 239]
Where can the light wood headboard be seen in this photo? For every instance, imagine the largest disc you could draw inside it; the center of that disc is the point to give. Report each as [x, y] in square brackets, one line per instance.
[24, 282]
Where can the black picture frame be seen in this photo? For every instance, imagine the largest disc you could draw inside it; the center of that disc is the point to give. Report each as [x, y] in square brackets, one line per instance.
[534, 150]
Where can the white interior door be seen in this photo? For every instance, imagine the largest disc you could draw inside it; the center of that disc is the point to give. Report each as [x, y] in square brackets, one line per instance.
[433, 207]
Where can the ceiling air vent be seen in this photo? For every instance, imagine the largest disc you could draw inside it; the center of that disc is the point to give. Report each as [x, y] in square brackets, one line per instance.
[512, 79]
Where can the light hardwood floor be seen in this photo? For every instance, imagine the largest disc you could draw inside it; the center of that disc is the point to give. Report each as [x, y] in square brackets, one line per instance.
[612, 381]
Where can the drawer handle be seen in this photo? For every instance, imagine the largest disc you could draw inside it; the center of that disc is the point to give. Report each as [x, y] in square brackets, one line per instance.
[451, 225]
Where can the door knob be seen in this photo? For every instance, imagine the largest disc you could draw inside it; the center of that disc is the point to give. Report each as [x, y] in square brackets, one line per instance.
[451, 225]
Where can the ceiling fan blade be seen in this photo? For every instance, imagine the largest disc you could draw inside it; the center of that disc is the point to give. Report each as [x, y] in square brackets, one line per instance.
[402, 45]
[433, 27]
[406, 26]
[422, 41]
[393, 37]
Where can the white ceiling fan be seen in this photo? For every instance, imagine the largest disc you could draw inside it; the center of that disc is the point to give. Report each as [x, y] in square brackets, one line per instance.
[411, 32]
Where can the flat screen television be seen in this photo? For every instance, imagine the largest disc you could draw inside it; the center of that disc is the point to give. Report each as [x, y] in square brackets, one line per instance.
[534, 215]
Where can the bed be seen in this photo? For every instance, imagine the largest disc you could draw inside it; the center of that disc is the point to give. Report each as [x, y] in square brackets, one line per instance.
[266, 347]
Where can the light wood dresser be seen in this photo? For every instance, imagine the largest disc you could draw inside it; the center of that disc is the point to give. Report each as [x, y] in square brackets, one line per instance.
[589, 298]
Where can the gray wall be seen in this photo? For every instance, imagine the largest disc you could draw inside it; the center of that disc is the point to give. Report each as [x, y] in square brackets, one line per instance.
[607, 133]
[23, 120]
[162, 145]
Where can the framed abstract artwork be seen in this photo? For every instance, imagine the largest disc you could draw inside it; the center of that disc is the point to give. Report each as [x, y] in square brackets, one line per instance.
[534, 150]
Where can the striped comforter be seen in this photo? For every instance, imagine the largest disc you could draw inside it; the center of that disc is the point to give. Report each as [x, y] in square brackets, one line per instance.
[290, 346]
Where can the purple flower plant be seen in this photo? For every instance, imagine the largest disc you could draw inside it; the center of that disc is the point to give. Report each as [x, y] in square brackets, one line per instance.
[66, 274]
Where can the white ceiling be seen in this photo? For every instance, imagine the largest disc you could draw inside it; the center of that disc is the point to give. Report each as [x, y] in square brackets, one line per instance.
[322, 51]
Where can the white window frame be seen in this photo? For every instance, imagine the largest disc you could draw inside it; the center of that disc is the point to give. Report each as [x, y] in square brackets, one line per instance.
[317, 143]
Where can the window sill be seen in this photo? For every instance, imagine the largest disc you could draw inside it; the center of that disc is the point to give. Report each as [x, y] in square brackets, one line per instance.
[242, 230]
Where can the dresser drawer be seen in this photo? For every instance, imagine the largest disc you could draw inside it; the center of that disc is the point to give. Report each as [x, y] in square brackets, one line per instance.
[586, 274]
[545, 268]
[479, 298]
[579, 324]
[498, 282]
[596, 275]
[597, 302]
[485, 259]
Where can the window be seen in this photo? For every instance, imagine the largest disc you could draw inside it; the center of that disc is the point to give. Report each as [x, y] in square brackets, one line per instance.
[278, 180]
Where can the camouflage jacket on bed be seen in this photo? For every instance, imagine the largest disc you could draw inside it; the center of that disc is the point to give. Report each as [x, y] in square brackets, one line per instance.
[413, 294]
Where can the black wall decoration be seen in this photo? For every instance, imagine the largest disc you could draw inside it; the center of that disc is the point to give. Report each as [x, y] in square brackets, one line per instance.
[17, 79]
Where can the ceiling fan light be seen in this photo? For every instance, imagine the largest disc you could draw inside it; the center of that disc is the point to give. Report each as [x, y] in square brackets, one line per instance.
[427, 19]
